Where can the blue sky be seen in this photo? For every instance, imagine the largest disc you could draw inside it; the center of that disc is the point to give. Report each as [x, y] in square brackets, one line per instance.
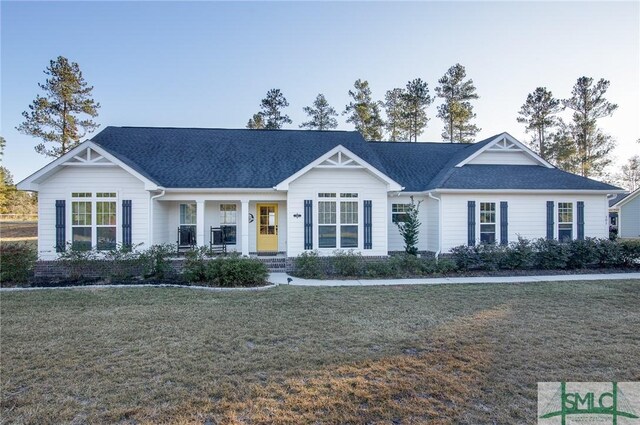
[208, 64]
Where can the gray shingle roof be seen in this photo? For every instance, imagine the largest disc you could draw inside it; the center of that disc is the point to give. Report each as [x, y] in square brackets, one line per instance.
[227, 158]
[619, 197]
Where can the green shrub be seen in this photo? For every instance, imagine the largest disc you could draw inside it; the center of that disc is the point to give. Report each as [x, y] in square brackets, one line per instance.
[406, 265]
[466, 257]
[235, 271]
[490, 256]
[445, 266]
[194, 268]
[582, 253]
[78, 259]
[17, 260]
[381, 268]
[347, 263]
[630, 252]
[125, 262]
[309, 265]
[609, 253]
[156, 261]
[550, 254]
[518, 255]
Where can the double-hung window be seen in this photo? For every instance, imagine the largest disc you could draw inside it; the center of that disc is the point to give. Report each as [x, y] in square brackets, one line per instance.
[228, 223]
[565, 221]
[399, 212]
[93, 219]
[487, 222]
[187, 231]
[338, 219]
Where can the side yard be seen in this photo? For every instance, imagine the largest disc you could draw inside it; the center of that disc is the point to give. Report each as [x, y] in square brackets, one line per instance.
[462, 354]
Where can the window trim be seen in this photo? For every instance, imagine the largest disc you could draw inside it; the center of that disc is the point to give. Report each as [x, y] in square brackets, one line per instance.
[337, 200]
[496, 221]
[114, 196]
[394, 213]
[223, 223]
[556, 227]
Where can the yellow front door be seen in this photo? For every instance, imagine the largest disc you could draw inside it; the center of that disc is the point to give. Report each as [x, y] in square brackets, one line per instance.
[267, 227]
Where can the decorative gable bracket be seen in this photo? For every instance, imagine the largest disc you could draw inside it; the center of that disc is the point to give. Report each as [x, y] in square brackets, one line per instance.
[88, 157]
[506, 143]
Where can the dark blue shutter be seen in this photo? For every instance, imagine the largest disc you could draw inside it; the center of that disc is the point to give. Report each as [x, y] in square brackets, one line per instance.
[368, 235]
[504, 223]
[60, 226]
[580, 220]
[471, 223]
[308, 224]
[126, 223]
[550, 220]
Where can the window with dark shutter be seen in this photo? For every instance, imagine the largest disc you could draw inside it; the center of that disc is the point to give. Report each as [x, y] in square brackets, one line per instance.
[308, 224]
[471, 223]
[126, 224]
[550, 222]
[580, 208]
[504, 223]
[368, 231]
[60, 226]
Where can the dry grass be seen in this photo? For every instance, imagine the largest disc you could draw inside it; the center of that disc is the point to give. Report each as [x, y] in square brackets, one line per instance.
[441, 354]
[13, 231]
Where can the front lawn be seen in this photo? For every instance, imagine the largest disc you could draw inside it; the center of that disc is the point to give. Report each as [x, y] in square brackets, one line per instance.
[463, 354]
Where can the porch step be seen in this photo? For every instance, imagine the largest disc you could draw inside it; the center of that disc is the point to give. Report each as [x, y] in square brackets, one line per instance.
[278, 264]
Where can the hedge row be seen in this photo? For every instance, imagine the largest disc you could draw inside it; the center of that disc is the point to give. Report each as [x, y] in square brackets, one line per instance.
[546, 254]
[310, 265]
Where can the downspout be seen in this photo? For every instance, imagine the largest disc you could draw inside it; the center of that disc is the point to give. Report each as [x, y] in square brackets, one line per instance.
[153, 198]
[439, 224]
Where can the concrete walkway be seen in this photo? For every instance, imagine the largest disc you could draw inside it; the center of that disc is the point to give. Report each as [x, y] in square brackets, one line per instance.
[282, 279]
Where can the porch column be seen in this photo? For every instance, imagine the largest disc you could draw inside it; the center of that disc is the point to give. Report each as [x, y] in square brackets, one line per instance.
[200, 223]
[244, 211]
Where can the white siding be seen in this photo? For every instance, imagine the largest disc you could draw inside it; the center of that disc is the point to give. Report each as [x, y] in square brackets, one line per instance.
[504, 158]
[433, 225]
[90, 179]
[358, 180]
[396, 243]
[527, 215]
[629, 219]
[161, 220]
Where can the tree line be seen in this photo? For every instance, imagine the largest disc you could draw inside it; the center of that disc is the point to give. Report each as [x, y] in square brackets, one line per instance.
[405, 109]
[64, 114]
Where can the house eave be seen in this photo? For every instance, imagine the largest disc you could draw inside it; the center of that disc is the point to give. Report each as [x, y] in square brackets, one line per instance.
[530, 191]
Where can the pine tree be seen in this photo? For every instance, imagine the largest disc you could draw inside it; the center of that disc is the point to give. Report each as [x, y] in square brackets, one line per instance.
[457, 111]
[416, 99]
[396, 124]
[592, 146]
[256, 122]
[321, 115]
[363, 112]
[56, 117]
[272, 106]
[629, 176]
[538, 113]
[410, 228]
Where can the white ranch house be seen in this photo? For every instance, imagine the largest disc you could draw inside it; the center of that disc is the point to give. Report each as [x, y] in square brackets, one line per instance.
[282, 192]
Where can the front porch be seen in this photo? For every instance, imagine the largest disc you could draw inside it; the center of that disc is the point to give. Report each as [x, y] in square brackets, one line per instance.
[251, 226]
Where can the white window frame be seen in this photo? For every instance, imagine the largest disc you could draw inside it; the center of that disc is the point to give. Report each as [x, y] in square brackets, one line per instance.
[338, 199]
[224, 222]
[405, 208]
[558, 223]
[93, 198]
[496, 229]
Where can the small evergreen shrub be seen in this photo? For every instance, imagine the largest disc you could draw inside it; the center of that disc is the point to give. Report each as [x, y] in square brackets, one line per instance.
[550, 254]
[490, 256]
[445, 266]
[582, 253]
[309, 265]
[125, 262]
[609, 253]
[17, 260]
[410, 228]
[406, 264]
[194, 268]
[156, 261]
[235, 270]
[518, 256]
[466, 257]
[378, 269]
[347, 263]
[630, 252]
